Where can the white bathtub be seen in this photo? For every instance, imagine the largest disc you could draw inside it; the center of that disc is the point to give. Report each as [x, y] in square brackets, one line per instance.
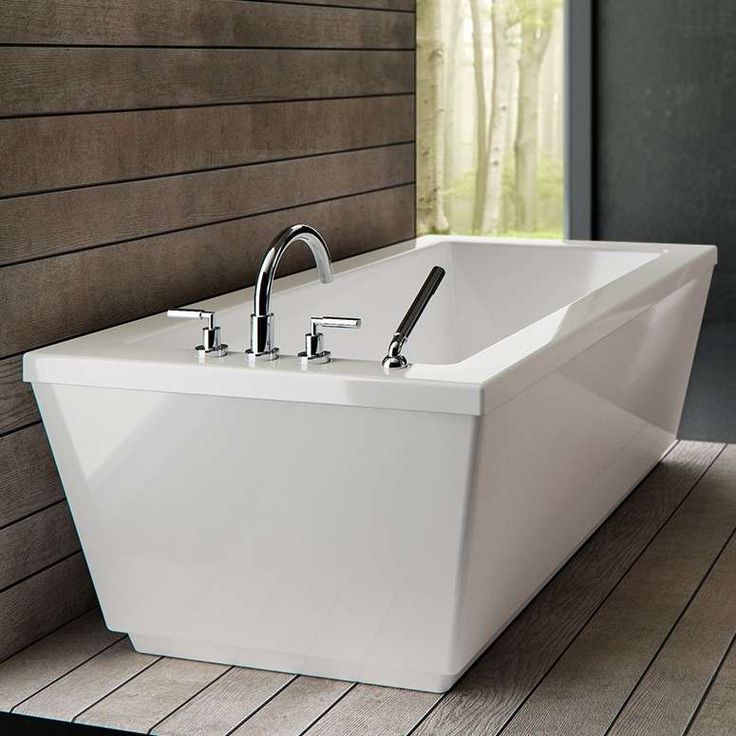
[345, 522]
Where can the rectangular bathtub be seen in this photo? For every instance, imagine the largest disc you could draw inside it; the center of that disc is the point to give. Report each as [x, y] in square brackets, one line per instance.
[348, 522]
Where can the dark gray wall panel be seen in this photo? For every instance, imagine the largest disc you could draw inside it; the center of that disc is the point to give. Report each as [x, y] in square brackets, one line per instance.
[666, 129]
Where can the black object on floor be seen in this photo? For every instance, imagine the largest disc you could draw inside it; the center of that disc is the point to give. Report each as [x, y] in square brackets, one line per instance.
[17, 725]
[710, 407]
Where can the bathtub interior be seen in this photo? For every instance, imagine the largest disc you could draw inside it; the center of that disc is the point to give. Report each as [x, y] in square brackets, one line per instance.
[489, 292]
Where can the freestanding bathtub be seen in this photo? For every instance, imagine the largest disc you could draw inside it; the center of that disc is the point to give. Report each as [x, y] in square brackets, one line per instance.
[348, 522]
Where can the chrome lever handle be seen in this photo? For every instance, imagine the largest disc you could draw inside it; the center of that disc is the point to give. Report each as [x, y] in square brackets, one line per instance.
[351, 323]
[314, 349]
[211, 344]
[394, 358]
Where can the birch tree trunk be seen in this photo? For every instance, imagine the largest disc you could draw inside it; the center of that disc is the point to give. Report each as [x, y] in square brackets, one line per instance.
[430, 118]
[451, 65]
[535, 34]
[481, 118]
[500, 93]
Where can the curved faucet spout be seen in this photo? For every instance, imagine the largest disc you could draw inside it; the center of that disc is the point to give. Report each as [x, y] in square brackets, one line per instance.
[262, 328]
[296, 233]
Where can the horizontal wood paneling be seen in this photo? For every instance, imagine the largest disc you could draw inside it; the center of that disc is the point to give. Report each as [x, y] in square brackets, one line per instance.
[151, 151]
[405, 5]
[62, 151]
[47, 224]
[17, 405]
[29, 478]
[44, 602]
[54, 298]
[200, 23]
[35, 542]
[55, 80]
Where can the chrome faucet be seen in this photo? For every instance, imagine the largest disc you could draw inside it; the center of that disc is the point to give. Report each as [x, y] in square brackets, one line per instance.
[262, 345]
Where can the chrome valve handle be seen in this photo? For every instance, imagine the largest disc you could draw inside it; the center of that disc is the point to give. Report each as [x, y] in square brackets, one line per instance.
[211, 344]
[394, 358]
[314, 348]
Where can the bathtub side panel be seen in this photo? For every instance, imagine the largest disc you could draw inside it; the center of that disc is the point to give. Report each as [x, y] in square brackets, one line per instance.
[556, 459]
[299, 537]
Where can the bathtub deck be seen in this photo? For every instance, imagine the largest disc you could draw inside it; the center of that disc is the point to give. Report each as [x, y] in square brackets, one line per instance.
[634, 636]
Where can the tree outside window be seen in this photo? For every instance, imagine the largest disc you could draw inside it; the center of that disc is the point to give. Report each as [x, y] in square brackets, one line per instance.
[490, 117]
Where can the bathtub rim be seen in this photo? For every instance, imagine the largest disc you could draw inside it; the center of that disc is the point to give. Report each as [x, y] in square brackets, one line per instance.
[114, 358]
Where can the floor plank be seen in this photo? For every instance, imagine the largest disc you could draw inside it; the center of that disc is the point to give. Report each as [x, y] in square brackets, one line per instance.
[591, 681]
[40, 664]
[295, 708]
[669, 693]
[717, 714]
[374, 711]
[85, 685]
[153, 695]
[488, 695]
[225, 704]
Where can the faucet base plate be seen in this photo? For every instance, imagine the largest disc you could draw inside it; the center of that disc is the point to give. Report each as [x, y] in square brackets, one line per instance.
[254, 358]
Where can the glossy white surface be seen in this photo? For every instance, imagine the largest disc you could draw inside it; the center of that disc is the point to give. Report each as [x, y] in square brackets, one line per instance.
[346, 523]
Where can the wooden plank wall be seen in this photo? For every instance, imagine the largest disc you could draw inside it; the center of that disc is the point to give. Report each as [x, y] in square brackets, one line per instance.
[150, 151]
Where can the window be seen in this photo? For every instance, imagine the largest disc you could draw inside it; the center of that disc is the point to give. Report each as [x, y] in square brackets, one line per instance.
[490, 117]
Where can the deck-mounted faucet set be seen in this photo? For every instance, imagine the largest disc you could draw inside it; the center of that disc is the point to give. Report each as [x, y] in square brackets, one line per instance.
[262, 343]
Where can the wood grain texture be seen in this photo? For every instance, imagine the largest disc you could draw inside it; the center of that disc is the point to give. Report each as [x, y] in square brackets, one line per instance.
[17, 405]
[84, 686]
[591, 681]
[55, 298]
[665, 700]
[486, 698]
[717, 713]
[122, 121]
[29, 478]
[200, 23]
[225, 704]
[62, 80]
[49, 224]
[72, 150]
[36, 667]
[402, 5]
[36, 542]
[42, 603]
[295, 708]
[378, 711]
[151, 696]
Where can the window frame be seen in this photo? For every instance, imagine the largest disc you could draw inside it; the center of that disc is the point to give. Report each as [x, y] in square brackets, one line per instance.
[578, 170]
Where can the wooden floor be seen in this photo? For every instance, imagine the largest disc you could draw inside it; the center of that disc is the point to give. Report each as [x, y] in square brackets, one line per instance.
[634, 636]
